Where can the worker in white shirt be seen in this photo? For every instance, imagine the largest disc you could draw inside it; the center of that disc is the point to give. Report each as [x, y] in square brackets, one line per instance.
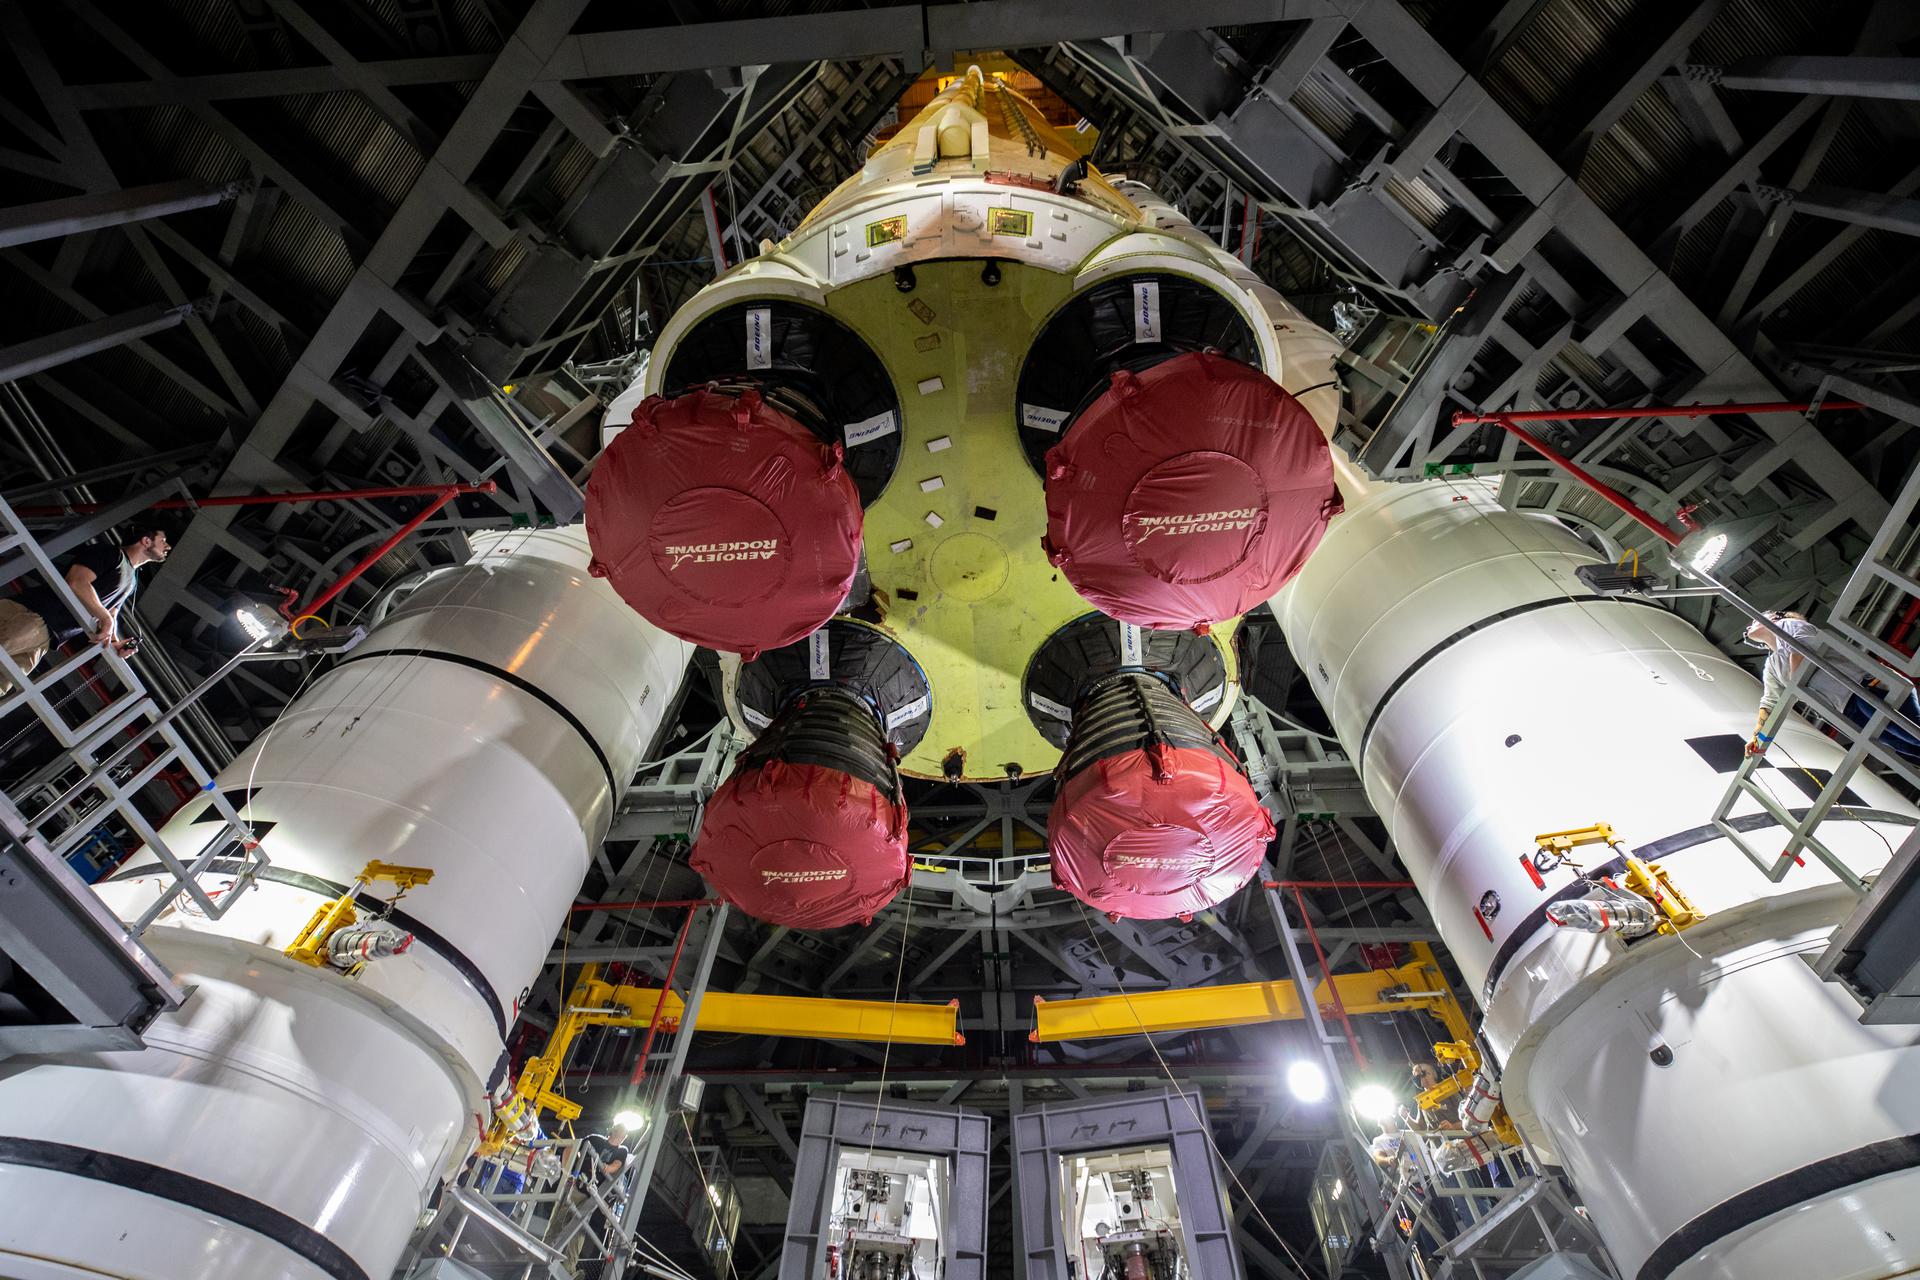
[1838, 697]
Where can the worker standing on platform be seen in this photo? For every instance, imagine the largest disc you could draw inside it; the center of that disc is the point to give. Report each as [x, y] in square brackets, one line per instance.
[604, 1158]
[608, 1154]
[104, 577]
[1838, 698]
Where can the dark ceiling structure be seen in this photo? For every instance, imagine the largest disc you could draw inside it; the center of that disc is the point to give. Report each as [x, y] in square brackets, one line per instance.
[258, 245]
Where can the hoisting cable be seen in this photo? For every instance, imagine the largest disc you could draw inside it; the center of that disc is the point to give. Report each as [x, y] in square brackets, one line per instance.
[1199, 1115]
[893, 1012]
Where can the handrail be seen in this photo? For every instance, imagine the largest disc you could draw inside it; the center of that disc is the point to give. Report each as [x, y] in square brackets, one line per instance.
[1801, 826]
[132, 708]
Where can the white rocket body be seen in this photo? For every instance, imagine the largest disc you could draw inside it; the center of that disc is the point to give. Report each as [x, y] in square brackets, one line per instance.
[298, 1120]
[1704, 1092]
[1487, 698]
[1721, 1110]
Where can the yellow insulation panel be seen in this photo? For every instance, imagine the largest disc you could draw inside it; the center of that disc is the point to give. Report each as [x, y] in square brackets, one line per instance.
[953, 544]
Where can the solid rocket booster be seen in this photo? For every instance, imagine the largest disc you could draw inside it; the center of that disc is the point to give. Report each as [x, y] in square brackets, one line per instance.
[288, 1122]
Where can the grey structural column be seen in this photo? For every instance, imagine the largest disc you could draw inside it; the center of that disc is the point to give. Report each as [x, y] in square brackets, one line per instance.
[52, 219]
[676, 1063]
[1393, 1251]
[1845, 204]
[52, 349]
[1839, 77]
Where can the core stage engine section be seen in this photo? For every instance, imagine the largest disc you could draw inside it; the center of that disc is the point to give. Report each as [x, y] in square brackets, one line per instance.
[979, 404]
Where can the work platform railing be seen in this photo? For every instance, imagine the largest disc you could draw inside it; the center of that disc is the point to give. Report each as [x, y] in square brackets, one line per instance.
[1888, 704]
[1484, 1222]
[1875, 953]
[539, 1210]
[107, 739]
[1879, 675]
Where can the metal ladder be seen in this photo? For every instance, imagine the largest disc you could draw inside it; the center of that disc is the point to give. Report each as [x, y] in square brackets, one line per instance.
[51, 922]
[1845, 628]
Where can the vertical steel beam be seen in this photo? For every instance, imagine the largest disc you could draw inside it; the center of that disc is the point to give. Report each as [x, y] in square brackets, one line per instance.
[676, 1064]
[479, 402]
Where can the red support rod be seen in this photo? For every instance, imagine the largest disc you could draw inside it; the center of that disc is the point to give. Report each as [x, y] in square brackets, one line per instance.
[1333, 988]
[372, 558]
[273, 499]
[1898, 637]
[1654, 411]
[660, 1007]
[1337, 884]
[659, 903]
[1586, 477]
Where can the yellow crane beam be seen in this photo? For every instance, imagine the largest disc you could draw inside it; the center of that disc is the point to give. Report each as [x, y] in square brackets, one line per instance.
[594, 1002]
[810, 1017]
[1416, 985]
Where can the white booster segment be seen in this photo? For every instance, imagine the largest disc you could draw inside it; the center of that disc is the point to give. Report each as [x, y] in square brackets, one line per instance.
[1721, 1110]
[290, 1122]
[1723, 1113]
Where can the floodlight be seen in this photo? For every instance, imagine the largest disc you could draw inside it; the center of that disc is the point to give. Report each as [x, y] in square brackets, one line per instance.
[1374, 1102]
[1307, 1081]
[631, 1121]
[260, 624]
[1700, 551]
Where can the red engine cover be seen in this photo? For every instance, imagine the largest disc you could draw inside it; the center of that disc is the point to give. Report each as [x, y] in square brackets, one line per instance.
[724, 521]
[1188, 493]
[803, 846]
[1161, 832]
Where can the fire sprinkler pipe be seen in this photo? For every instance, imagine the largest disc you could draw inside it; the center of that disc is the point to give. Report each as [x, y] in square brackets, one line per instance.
[1507, 421]
[1339, 1007]
[666, 988]
[373, 557]
[1574, 469]
[1898, 637]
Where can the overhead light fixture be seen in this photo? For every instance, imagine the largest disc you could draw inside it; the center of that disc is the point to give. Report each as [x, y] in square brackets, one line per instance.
[631, 1121]
[1701, 551]
[1374, 1102]
[1713, 548]
[260, 624]
[1307, 1081]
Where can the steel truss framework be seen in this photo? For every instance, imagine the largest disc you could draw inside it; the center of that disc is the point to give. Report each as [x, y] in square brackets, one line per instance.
[301, 247]
[1505, 266]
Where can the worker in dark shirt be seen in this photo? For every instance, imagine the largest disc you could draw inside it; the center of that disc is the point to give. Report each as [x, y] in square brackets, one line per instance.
[103, 577]
[603, 1162]
[608, 1154]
